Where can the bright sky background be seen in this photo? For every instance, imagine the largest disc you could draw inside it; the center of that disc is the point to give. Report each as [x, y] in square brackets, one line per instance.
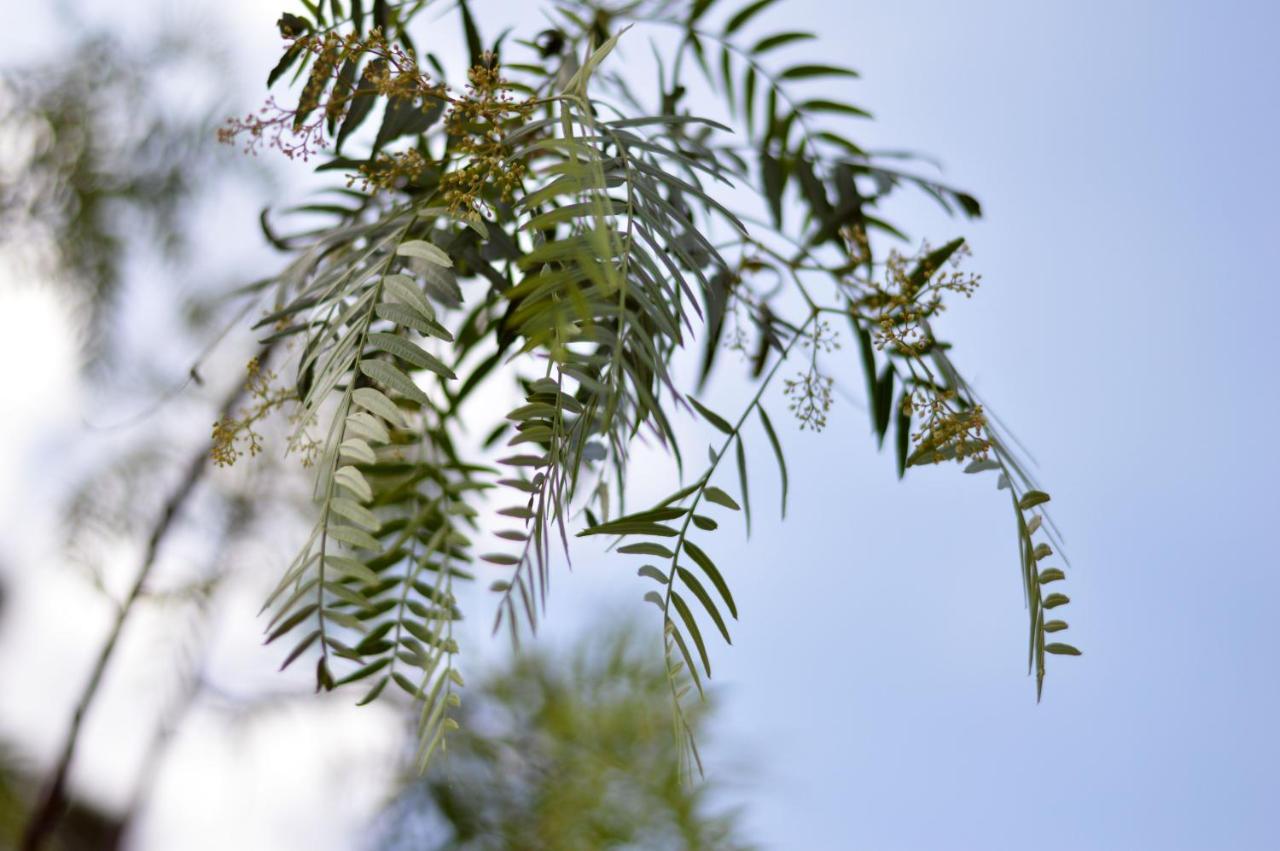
[875, 696]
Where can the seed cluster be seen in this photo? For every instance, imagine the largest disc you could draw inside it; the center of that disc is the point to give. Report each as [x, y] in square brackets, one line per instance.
[810, 393]
[478, 122]
[234, 436]
[901, 307]
[911, 295]
[948, 430]
[330, 91]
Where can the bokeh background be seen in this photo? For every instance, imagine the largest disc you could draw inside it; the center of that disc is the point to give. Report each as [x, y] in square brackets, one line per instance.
[875, 696]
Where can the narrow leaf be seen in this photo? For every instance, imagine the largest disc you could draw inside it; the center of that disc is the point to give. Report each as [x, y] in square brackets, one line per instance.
[424, 251]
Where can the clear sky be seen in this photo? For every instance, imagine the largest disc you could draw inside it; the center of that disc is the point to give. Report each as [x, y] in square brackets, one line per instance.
[1125, 155]
[875, 696]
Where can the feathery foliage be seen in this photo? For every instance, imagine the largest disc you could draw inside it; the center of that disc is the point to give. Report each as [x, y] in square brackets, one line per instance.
[558, 225]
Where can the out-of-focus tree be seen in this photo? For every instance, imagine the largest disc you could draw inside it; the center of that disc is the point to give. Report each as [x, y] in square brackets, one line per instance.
[561, 753]
[83, 827]
[103, 163]
[99, 160]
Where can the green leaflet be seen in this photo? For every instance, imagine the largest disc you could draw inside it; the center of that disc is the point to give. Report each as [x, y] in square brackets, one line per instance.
[777, 452]
[408, 317]
[739, 20]
[403, 289]
[377, 403]
[691, 626]
[702, 560]
[393, 379]
[1031, 499]
[356, 513]
[410, 353]
[646, 548]
[777, 40]
[578, 82]
[362, 427]
[354, 449]
[691, 582]
[805, 72]
[711, 416]
[354, 481]
[424, 251]
[653, 573]
[719, 497]
[354, 537]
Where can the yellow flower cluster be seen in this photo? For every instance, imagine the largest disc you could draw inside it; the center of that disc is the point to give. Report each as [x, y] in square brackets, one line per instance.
[911, 295]
[230, 434]
[300, 132]
[947, 431]
[391, 171]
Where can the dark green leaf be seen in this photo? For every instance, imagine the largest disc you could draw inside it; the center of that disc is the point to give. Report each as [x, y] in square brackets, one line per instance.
[646, 548]
[748, 12]
[286, 62]
[373, 693]
[932, 262]
[883, 398]
[703, 561]
[903, 436]
[820, 105]
[361, 105]
[777, 452]
[295, 619]
[683, 608]
[300, 648]
[719, 497]
[804, 72]
[475, 46]
[778, 40]
[742, 482]
[697, 10]
[772, 179]
[692, 583]
[367, 670]
[711, 416]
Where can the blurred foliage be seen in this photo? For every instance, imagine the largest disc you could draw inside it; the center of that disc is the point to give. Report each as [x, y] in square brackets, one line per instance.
[98, 157]
[560, 753]
[105, 151]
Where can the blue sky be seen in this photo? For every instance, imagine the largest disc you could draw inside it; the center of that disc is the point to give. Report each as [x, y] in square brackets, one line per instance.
[875, 696]
[1124, 155]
